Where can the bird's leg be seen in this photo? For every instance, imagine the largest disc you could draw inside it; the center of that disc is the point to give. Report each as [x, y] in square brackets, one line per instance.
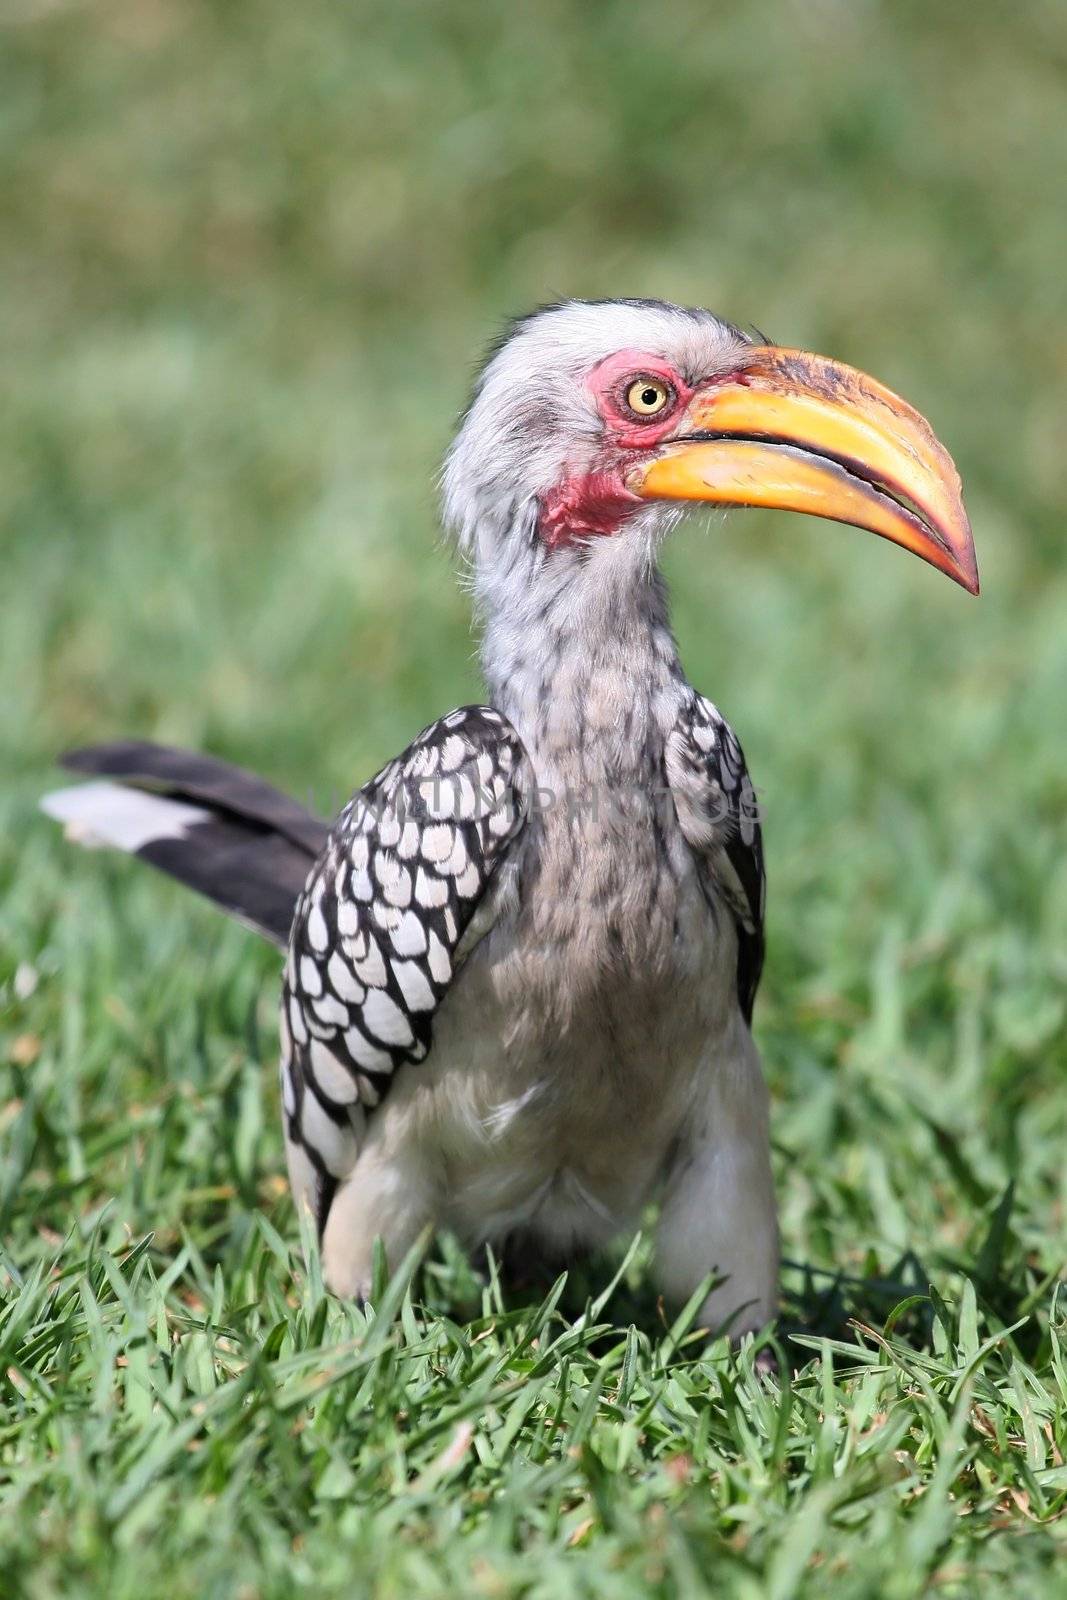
[387, 1196]
[718, 1211]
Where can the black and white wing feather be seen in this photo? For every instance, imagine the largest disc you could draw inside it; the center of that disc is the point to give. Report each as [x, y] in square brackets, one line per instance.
[378, 927]
[717, 809]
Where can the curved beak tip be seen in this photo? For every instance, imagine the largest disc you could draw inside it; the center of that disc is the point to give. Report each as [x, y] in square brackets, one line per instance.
[968, 574]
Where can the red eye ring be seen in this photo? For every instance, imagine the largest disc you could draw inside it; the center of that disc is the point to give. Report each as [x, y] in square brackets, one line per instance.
[612, 379]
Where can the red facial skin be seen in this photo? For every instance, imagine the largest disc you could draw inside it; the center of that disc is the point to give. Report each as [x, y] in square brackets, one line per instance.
[597, 503]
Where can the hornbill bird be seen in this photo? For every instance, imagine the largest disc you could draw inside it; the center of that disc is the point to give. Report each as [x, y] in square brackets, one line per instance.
[521, 964]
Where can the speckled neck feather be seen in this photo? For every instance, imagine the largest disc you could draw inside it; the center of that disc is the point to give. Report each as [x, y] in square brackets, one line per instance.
[579, 656]
[578, 653]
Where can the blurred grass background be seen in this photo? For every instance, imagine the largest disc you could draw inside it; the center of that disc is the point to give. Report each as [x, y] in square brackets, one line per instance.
[249, 256]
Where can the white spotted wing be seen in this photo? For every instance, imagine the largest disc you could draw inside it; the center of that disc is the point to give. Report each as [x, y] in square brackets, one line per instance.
[719, 816]
[375, 935]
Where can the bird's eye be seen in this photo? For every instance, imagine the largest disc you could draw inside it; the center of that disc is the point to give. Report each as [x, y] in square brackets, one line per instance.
[647, 397]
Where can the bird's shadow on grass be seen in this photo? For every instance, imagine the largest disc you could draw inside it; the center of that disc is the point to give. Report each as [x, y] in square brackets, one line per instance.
[815, 1302]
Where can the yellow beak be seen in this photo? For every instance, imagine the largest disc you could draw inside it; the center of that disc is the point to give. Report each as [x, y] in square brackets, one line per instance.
[798, 432]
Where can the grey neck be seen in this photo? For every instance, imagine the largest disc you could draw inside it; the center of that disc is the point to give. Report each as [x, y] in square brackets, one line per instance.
[578, 654]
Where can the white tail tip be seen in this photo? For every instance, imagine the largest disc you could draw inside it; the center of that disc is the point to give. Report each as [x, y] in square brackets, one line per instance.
[102, 815]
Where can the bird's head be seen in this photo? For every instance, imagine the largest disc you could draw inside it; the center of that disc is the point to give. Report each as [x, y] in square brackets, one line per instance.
[598, 421]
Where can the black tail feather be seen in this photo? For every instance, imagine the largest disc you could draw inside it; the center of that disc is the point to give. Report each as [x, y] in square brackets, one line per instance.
[204, 780]
[216, 828]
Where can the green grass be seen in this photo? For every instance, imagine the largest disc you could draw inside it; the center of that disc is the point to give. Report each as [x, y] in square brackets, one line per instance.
[248, 255]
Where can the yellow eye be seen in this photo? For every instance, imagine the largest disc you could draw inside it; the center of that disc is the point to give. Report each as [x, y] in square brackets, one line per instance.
[647, 397]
